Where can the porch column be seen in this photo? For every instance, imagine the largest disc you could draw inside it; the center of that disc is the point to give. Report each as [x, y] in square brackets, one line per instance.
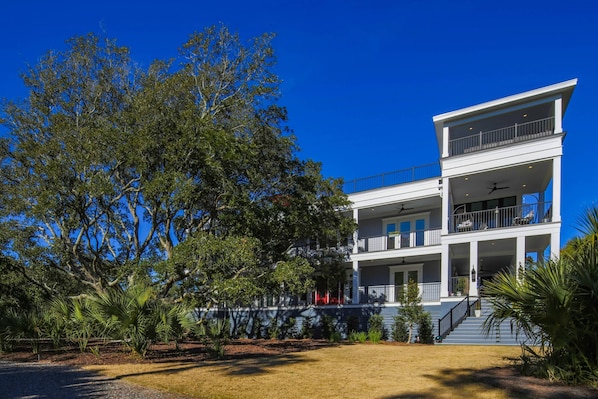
[555, 245]
[446, 204]
[558, 115]
[356, 232]
[519, 255]
[556, 189]
[473, 259]
[445, 142]
[444, 271]
[355, 299]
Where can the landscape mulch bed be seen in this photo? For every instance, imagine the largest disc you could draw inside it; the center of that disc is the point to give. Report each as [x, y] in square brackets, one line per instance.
[115, 353]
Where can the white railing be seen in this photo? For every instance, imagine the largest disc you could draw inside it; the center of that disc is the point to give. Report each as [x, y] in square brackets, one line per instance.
[409, 239]
[503, 136]
[385, 293]
[519, 215]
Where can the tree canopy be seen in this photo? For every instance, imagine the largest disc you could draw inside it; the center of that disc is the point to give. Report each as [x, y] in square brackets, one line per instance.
[183, 175]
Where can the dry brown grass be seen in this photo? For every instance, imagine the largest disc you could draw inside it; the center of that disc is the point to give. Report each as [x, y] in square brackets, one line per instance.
[347, 371]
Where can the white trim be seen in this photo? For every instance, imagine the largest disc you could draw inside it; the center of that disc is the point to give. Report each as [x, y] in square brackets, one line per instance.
[505, 100]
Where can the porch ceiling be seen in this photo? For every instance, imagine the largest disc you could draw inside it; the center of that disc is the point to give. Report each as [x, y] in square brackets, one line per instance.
[394, 209]
[476, 187]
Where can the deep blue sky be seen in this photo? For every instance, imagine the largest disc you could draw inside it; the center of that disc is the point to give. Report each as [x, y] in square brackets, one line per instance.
[362, 80]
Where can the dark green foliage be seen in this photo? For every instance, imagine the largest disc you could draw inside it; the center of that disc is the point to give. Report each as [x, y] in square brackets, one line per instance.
[327, 326]
[426, 329]
[216, 334]
[307, 328]
[183, 175]
[555, 304]
[400, 331]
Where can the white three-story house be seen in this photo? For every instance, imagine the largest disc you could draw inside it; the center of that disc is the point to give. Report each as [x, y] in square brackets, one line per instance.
[491, 203]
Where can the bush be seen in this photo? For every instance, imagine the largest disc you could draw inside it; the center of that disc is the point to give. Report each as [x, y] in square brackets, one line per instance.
[307, 330]
[375, 336]
[327, 326]
[360, 336]
[426, 329]
[376, 327]
[400, 331]
[215, 335]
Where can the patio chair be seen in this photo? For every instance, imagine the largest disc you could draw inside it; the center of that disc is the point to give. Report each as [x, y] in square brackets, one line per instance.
[527, 219]
[465, 225]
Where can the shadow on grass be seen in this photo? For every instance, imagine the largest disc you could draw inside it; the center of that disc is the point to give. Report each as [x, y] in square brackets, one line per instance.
[471, 383]
[246, 365]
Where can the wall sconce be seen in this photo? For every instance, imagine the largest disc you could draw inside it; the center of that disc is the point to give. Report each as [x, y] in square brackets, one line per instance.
[473, 273]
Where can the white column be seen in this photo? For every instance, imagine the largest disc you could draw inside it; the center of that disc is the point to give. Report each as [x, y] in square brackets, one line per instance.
[356, 232]
[355, 299]
[555, 245]
[446, 203]
[445, 142]
[473, 259]
[556, 189]
[519, 255]
[558, 115]
[444, 270]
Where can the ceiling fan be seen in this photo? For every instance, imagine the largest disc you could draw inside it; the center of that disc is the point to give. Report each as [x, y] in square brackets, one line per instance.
[494, 188]
[402, 209]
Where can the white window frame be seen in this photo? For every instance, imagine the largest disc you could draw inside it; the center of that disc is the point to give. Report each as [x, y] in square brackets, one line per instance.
[419, 267]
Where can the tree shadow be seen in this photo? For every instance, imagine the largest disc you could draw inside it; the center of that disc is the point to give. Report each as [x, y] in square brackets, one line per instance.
[471, 382]
[24, 380]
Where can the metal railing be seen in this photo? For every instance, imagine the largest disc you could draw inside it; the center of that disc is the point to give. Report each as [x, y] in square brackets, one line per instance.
[453, 318]
[385, 293]
[518, 215]
[499, 137]
[409, 175]
[410, 239]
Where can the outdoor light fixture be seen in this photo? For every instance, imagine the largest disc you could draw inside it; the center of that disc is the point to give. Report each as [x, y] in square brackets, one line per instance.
[473, 280]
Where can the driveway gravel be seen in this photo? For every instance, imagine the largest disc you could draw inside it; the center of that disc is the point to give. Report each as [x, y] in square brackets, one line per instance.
[51, 381]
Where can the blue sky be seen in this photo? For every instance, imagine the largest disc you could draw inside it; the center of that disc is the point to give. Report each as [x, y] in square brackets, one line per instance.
[362, 80]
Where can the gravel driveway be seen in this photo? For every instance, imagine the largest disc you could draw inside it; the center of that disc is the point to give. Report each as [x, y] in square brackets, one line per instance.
[50, 381]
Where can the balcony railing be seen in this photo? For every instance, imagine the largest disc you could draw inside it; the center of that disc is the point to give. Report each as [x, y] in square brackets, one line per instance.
[499, 137]
[430, 292]
[519, 215]
[416, 238]
[409, 175]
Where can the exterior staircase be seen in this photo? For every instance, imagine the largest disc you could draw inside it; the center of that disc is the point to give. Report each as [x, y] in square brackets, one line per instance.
[470, 332]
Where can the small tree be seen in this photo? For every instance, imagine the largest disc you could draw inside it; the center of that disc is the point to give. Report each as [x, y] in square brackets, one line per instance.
[411, 310]
[400, 332]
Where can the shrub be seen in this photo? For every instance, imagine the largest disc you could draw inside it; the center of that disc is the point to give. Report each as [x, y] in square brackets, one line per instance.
[400, 332]
[426, 329]
[307, 330]
[327, 326]
[376, 327]
[335, 337]
[215, 336]
[375, 336]
[360, 336]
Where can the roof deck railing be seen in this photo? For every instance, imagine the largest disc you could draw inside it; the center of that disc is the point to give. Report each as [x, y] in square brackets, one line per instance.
[402, 176]
[503, 136]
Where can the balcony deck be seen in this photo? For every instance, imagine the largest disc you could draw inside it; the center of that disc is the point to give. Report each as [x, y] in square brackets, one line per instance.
[501, 137]
[520, 215]
[410, 239]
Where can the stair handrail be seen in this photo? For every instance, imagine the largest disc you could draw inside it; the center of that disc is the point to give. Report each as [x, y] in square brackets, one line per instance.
[454, 322]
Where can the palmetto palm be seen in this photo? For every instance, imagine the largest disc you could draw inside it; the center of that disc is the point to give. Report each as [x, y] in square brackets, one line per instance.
[555, 303]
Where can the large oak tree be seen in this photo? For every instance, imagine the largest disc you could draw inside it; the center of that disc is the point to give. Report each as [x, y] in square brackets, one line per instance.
[184, 175]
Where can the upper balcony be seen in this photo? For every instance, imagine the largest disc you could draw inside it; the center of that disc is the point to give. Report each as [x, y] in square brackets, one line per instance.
[500, 217]
[501, 137]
